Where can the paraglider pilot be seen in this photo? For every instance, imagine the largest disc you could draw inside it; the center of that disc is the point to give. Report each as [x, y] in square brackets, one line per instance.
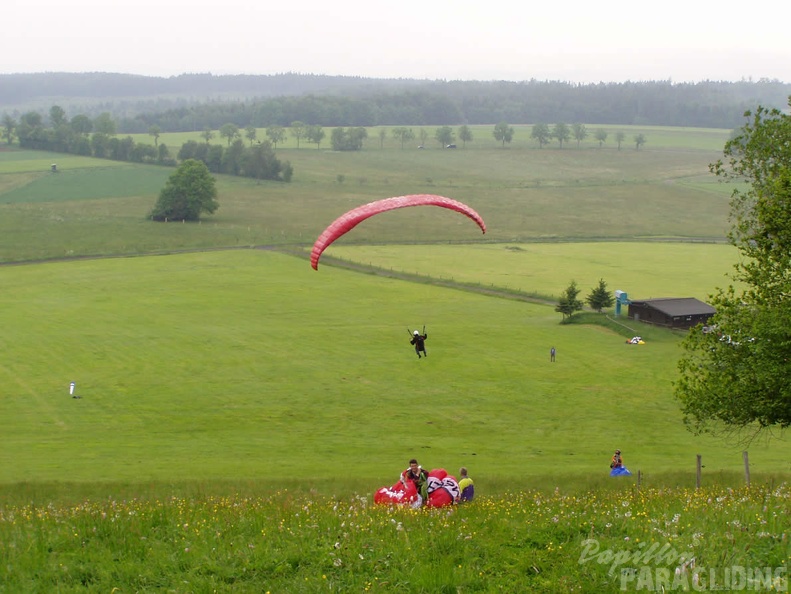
[419, 340]
[417, 476]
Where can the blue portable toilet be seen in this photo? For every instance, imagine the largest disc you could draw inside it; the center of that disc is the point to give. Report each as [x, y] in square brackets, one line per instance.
[621, 298]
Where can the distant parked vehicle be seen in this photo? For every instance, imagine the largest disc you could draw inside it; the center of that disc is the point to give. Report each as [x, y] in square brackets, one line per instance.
[451, 146]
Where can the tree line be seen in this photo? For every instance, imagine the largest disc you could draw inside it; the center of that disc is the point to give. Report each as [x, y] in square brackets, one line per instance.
[195, 102]
[98, 138]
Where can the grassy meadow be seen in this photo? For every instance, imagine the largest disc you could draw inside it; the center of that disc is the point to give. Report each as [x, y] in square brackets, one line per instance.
[238, 409]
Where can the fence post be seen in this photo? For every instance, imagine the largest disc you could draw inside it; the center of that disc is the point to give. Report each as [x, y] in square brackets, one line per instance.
[746, 467]
[697, 482]
[639, 476]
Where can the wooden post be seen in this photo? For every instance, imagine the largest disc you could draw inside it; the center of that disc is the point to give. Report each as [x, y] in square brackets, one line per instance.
[697, 483]
[746, 468]
[639, 476]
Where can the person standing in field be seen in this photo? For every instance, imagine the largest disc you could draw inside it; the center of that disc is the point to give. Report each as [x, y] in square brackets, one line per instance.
[552, 354]
[419, 340]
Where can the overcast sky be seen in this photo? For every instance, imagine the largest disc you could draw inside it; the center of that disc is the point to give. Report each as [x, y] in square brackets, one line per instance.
[570, 40]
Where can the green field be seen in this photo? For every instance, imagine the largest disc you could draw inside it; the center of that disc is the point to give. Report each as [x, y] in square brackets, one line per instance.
[210, 366]
[237, 409]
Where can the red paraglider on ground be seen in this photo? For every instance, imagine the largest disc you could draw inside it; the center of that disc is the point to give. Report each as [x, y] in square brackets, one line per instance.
[351, 219]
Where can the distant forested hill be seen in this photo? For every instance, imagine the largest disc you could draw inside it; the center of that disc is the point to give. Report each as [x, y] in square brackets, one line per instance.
[198, 101]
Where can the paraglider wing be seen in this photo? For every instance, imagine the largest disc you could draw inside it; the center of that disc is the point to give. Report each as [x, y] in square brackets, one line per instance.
[351, 219]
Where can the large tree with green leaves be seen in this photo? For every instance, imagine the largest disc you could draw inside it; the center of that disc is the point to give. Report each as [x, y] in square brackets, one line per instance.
[444, 135]
[189, 192]
[503, 132]
[230, 132]
[403, 134]
[276, 134]
[542, 134]
[600, 135]
[580, 132]
[9, 125]
[734, 373]
[562, 132]
[465, 135]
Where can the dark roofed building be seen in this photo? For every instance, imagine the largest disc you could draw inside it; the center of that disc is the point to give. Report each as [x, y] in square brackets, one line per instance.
[672, 312]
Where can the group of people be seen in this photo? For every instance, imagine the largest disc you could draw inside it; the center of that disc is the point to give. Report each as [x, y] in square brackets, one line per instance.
[419, 477]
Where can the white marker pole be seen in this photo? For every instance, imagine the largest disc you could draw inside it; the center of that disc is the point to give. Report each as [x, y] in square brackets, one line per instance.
[71, 389]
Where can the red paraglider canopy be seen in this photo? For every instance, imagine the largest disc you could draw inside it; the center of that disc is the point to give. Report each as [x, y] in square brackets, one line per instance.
[351, 219]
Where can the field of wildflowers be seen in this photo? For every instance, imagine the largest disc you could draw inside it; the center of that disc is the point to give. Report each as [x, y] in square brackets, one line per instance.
[674, 539]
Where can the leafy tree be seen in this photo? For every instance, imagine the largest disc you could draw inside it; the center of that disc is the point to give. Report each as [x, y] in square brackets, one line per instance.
[503, 132]
[229, 131]
[9, 125]
[232, 157]
[81, 124]
[260, 162]
[188, 150]
[104, 124]
[639, 140]
[444, 135]
[214, 157]
[348, 139]
[100, 145]
[601, 136]
[542, 134]
[276, 134]
[562, 132]
[143, 153]
[155, 131]
[315, 134]
[580, 132]
[57, 116]
[250, 133]
[569, 303]
[207, 135]
[382, 136]
[619, 138]
[423, 135]
[163, 155]
[82, 146]
[189, 192]
[465, 135]
[298, 130]
[736, 378]
[403, 134]
[600, 297]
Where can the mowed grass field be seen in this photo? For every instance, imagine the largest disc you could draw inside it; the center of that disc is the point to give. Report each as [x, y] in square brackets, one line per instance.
[238, 364]
[98, 207]
[226, 365]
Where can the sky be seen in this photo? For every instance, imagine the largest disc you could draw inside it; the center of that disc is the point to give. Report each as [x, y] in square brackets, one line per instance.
[570, 40]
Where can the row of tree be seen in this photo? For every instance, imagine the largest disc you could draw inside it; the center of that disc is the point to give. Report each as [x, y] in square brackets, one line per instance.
[74, 136]
[97, 138]
[598, 299]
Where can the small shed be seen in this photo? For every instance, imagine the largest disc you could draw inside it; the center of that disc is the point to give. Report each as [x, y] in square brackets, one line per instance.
[672, 312]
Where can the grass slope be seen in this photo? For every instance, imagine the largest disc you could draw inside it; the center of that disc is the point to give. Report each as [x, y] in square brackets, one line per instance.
[227, 365]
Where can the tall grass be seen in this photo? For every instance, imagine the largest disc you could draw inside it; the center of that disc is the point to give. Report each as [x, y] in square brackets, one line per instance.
[527, 541]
